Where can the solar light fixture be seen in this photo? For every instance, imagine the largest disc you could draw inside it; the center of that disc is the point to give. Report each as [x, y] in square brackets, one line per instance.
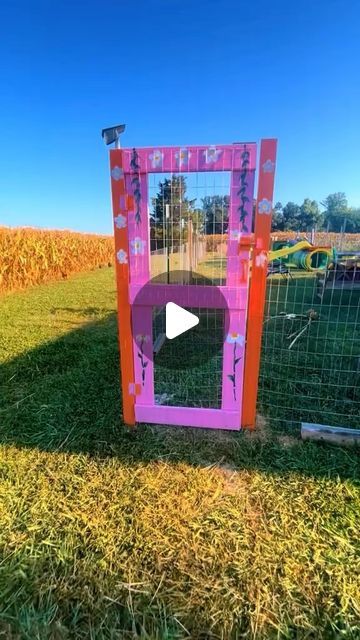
[112, 134]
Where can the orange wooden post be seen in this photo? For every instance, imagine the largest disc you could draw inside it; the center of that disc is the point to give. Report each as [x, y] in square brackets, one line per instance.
[258, 280]
[120, 207]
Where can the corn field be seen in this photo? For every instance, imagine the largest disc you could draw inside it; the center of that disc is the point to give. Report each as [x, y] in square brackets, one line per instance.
[32, 256]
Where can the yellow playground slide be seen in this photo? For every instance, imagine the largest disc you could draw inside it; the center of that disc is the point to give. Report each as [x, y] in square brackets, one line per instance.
[305, 255]
[287, 251]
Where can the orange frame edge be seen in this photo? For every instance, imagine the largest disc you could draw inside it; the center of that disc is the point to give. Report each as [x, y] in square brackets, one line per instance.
[257, 289]
[120, 218]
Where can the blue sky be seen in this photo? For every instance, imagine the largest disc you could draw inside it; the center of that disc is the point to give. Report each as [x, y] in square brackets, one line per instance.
[176, 72]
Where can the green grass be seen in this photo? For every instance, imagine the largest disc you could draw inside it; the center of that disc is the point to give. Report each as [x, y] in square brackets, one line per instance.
[159, 533]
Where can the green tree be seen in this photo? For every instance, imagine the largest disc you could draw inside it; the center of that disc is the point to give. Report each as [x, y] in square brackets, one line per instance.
[310, 215]
[292, 216]
[172, 192]
[336, 211]
[277, 222]
[352, 221]
[216, 213]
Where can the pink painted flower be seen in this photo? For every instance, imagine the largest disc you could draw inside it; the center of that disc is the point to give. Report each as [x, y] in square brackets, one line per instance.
[156, 158]
[235, 337]
[235, 234]
[261, 259]
[264, 206]
[268, 166]
[137, 246]
[182, 156]
[120, 221]
[122, 256]
[212, 155]
[117, 173]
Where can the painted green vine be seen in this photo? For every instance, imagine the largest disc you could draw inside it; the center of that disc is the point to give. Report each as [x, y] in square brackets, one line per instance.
[135, 181]
[245, 160]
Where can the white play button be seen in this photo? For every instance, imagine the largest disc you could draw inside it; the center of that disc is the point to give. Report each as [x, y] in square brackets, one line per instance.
[178, 320]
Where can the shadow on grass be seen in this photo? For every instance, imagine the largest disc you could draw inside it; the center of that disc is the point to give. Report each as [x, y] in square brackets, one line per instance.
[65, 396]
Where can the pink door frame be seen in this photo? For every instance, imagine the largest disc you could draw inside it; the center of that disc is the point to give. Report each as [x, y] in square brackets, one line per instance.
[240, 160]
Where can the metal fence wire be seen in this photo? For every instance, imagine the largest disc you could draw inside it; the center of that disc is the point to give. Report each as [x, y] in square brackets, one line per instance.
[180, 254]
[310, 360]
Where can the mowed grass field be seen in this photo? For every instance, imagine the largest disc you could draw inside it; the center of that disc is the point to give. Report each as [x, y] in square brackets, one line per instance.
[159, 533]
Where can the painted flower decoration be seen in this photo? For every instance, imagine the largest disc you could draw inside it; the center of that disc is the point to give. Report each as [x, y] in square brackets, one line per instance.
[212, 154]
[122, 256]
[264, 206]
[261, 259]
[120, 221]
[235, 337]
[156, 158]
[182, 156]
[268, 166]
[137, 247]
[117, 173]
[141, 337]
[235, 234]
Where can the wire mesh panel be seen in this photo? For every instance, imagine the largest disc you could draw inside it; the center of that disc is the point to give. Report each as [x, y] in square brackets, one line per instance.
[310, 364]
[184, 208]
[198, 384]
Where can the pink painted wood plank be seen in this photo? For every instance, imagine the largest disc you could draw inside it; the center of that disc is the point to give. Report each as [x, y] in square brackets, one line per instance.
[233, 363]
[188, 417]
[188, 158]
[139, 230]
[143, 353]
[240, 220]
[189, 296]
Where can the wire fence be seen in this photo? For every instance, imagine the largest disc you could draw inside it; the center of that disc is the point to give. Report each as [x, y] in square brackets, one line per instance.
[310, 360]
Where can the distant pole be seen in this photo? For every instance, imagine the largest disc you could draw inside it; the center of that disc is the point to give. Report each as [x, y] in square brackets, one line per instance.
[343, 227]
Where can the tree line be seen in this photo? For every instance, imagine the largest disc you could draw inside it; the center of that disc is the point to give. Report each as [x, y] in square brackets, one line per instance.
[336, 215]
[211, 216]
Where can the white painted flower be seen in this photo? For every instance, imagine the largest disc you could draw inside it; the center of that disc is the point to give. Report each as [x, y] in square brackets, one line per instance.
[182, 156]
[264, 206]
[261, 259]
[212, 154]
[268, 166]
[117, 173]
[156, 158]
[235, 337]
[137, 246]
[235, 234]
[120, 221]
[122, 256]
[142, 337]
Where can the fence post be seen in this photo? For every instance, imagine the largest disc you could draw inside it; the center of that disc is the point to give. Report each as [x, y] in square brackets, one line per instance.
[120, 205]
[256, 305]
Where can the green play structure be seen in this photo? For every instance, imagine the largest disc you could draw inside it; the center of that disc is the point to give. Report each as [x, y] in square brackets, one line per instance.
[303, 254]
